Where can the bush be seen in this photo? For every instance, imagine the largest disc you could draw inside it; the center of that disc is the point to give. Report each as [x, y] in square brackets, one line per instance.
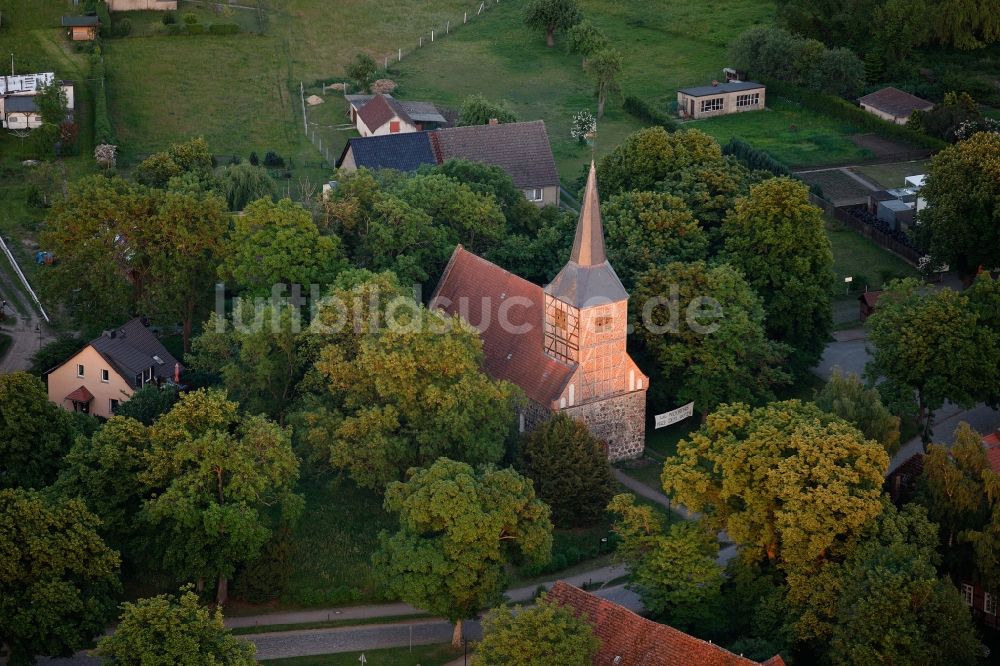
[254, 160]
[103, 132]
[223, 29]
[33, 197]
[362, 72]
[169, 18]
[195, 29]
[271, 159]
[646, 113]
[123, 28]
[175, 29]
[190, 19]
[754, 158]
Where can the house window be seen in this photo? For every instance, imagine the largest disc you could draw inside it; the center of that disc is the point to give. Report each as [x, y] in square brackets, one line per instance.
[990, 604]
[714, 104]
[751, 99]
[104, 376]
[138, 381]
[967, 594]
[79, 370]
[394, 126]
[113, 404]
[534, 194]
[149, 373]
[602, 324]
[559, 319]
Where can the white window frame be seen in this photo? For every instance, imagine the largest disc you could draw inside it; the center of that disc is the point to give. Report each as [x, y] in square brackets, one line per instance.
[990, 603]
[967, 592]
[105, 375]
[148, 376]
[713, 104]
[534, 194]
[747, 100]
[80, 370]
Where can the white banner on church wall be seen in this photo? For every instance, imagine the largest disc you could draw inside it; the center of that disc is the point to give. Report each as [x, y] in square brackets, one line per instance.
[679, 414]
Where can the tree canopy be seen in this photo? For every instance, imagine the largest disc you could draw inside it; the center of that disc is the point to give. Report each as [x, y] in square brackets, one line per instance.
[551, 16]
[477, 110]
[847, 397]
[585, 39]
[458, 529]
[545, 634]
[605, 67]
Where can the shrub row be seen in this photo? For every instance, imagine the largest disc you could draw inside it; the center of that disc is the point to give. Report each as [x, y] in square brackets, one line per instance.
[174, 29]
[754, 158]
[841, 109]
[103, 132]
[647, 113]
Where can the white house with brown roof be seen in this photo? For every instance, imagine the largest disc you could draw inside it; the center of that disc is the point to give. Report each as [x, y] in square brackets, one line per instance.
[106, 372]
[720, 99]
[894, 105]
[377, 115]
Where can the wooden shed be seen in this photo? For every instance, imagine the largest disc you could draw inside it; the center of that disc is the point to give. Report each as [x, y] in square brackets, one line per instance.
[81, 28]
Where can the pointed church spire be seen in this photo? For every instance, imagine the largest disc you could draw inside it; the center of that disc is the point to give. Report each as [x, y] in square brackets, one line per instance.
[588, 246]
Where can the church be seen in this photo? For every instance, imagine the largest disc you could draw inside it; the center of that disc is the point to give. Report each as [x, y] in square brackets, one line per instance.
[563, 344]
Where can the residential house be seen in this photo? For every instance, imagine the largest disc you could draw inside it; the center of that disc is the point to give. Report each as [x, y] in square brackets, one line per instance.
[374, 115]
[18, 109]
[81, 28]
[520, 149]
[564, 344]
[720, 99]
[984, 601]
[110, 368]
[894, 105]
[628, 639]
[142, 5]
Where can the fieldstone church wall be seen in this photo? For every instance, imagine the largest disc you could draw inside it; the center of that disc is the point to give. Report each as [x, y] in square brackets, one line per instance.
[620, 421]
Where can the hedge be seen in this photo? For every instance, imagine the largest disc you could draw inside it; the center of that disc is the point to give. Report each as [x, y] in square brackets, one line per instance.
[103, 132]
[645, 112]
[224, 28]
[754, 158]
[841, 109]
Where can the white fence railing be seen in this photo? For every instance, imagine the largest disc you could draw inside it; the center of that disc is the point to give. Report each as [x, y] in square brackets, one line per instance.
[24, 280]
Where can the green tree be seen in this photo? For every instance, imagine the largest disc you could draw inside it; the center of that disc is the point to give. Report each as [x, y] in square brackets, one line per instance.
[405, 240]
[570, 469]
[522, 216]
[261, 357]
[846, 396]
[605, 67]
[900, 26]
[542, 635]
[788, 481]
[963, 24]
[837, 72]
[458, 530]
[477, 110]
[552, 16]
[149, 403]
[54, 353]
[673, 570]
[58, 581]
[35, 434]
[411, 392]
[953, 358]
[985, 541]
[166, 630]
[242, 183]
[585, 39]
[650, 229]
[701, 356]
[193, 157]
[362, 72]
[214, 473]
[776, 238]
[52, 107]
[959, 224]
[278, 243]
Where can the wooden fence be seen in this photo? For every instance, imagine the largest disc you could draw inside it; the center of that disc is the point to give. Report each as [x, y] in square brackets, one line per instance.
[880, 238]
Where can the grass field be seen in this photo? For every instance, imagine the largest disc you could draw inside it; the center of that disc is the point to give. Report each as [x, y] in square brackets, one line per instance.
[857, 257]
[891, 175]
[419, 655]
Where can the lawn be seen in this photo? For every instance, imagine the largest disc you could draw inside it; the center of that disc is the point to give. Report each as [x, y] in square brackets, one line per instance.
[667, 44]
[857, 257]
[418, 655]
[891, 175]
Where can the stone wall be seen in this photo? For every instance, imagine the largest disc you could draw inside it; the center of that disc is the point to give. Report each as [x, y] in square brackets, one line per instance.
[620, 421]
[532, 415]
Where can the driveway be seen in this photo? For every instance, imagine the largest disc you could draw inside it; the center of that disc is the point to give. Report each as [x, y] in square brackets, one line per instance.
[848, 351]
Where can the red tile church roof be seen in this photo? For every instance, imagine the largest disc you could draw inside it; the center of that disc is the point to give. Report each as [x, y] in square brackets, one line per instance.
[476, 289]
[642, 642]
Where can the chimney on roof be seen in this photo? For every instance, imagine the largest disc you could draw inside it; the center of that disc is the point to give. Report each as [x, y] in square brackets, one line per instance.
[714, 83]
[494, 121]
[177, 373]
[109, 333]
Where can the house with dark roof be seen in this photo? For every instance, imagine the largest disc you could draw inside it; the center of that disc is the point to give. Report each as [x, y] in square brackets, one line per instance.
[18, 109]
[81, 28]
[563, 344]
[522, 150]
[720, 99]
[894, 105]
[628, 639]
[375, 115]
[106, 372]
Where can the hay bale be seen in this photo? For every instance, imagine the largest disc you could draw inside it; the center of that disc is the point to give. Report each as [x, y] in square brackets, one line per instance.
[383, 86]
[313, 100]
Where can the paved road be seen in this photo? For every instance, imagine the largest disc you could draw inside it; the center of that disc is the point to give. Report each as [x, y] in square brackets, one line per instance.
[848, 351]
[24, 325]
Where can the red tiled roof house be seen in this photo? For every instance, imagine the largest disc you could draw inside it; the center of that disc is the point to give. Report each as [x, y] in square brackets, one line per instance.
[563, 344]
[628, 639]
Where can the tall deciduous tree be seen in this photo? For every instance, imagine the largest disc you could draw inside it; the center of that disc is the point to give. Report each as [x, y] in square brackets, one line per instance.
[34, 433]
[242, 183]
[278, 243]
[166, 630]
[585, 39]
[788, 481]
[673, 570]
[650, 229]
[954, 356]
[190, 157]
[58, 580]
[605, 67]
[542, 635]
[552, 16]
[215, 472]
[959, 224]
[458, 529]
[776, 238]
[570, 469]
[704, 328]
[847, 397]
[985, 541]
[477, 110]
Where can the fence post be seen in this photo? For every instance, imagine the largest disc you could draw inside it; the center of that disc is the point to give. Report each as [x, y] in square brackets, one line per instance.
[465, 18]
[302, 96]
[386, 65]
[432, 35]
[400, 56]
[447, 27]
[481, 6]
[421, 41]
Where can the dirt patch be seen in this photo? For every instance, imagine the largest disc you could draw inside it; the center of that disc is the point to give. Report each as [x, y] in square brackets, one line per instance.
[881, 147]
[837, 186]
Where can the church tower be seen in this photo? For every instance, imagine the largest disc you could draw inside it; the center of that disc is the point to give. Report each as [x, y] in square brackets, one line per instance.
[585, 325]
